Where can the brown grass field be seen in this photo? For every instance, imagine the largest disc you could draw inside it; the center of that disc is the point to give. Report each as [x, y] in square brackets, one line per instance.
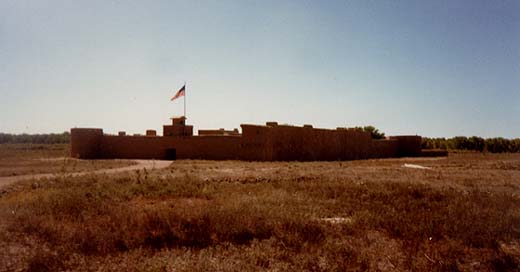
[28, 159]
[462, 214]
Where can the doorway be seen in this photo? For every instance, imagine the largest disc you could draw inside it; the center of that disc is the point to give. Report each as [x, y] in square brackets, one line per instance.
[171, 154]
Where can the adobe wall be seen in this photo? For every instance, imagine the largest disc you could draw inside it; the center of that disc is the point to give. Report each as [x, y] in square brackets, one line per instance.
[295, 143]
[85, 142]
[143, 147]
[256, 143]
[259, 143]
[356, 144]
[408, 145]
[133, 147]
[309, 144]
[209, 148]
[288, 143]
[384, 148]
[177, 130]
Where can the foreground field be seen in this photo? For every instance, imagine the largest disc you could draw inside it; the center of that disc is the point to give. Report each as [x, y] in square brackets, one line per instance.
[463, 213]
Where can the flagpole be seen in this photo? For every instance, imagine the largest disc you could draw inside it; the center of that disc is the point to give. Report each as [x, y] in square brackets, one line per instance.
[184, 99]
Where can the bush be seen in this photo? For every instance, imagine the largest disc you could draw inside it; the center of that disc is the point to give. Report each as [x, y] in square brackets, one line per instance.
[374, 132]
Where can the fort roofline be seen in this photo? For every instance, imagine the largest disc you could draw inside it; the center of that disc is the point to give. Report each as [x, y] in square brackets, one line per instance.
[269, 142]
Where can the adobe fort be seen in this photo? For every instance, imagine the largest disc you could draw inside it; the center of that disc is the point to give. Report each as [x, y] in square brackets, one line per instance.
[272, 142]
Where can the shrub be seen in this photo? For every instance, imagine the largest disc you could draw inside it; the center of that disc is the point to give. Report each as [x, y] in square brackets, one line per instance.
[374, 132]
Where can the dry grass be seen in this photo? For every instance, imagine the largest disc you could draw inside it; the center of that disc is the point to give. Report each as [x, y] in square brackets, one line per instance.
[28, 159]
[463, 214]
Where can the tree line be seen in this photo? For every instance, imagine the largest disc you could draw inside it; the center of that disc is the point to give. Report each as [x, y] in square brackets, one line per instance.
[474, 143]
[52, 138]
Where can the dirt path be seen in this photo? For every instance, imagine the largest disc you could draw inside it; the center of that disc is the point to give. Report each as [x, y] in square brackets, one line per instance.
[141, 164]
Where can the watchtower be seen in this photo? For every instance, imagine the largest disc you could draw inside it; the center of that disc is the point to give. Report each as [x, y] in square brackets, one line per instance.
[178, 127]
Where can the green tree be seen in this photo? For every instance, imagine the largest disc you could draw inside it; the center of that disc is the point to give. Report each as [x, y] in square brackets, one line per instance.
[374, 132]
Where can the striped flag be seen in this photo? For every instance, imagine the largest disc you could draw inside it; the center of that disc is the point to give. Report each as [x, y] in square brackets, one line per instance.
[179, 93]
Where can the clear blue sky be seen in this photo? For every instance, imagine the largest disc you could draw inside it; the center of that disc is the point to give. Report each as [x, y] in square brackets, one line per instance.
[433, 68]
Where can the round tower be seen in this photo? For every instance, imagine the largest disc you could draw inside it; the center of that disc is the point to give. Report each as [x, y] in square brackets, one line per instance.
[84, 143]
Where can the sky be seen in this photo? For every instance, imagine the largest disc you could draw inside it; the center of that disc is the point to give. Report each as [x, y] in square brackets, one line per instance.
[433, 68]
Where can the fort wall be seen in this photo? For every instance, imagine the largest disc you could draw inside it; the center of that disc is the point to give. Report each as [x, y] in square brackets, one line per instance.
[306, 143]
[133, 147]
[384, 148]
[209, 147]
[85, 142]
[408, 146]
[271, 142]
[145, 147]
[256, 143]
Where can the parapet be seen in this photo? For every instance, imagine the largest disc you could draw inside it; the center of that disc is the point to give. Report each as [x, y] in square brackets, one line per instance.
[181, 120]
[218, 132]
[249, 130]
[178, 128]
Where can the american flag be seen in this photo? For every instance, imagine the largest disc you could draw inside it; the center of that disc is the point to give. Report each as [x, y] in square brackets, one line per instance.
[179, 93]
